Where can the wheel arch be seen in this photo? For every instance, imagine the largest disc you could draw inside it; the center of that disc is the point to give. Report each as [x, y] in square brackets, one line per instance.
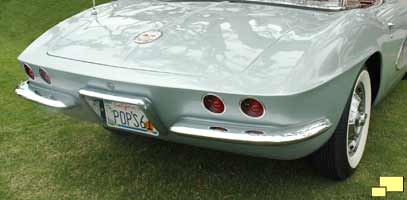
[374, 67]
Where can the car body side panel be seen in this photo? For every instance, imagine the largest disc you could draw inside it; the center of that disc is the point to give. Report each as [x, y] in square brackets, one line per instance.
[391, 12]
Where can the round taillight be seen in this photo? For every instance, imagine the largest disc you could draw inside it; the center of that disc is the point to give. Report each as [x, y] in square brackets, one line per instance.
[214, 104]
[45, 76]
[252, 107]
[29, 71]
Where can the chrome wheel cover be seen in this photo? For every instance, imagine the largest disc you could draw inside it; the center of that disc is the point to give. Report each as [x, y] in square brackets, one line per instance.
[359, 118]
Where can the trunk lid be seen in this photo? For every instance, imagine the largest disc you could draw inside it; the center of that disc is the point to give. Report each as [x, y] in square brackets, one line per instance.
[197, 37]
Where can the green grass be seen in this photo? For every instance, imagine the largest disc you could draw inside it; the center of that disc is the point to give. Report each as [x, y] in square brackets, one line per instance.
[45, 155]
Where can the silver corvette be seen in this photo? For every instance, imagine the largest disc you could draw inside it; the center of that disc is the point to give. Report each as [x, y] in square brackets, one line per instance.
[280, 79]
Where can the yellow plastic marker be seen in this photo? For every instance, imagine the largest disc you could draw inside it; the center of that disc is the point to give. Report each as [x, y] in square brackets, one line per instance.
[392, 184]
[378, 191]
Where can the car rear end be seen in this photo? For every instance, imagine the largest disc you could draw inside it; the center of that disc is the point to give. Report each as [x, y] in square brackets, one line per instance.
[212, 96]
[175, 108]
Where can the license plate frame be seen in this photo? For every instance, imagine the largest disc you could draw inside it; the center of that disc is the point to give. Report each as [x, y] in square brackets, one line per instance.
[128, 117]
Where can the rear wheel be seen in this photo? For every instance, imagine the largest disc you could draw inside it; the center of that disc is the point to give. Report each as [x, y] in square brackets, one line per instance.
[341, 155]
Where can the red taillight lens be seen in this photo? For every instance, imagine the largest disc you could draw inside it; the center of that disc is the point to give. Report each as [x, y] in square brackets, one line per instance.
[213, 104]
[29, 71]
[252, 107]
[44, 75]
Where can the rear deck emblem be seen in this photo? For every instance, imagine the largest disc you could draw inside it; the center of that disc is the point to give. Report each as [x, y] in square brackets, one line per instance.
[147, 37]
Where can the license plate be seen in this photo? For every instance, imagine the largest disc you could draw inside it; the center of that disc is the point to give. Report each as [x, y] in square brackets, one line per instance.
[128, 117]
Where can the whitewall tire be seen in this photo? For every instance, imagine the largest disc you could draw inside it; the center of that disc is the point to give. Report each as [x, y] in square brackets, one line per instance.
[341, 155]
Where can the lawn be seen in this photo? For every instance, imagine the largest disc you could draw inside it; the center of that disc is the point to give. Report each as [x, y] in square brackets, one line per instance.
[45, 155]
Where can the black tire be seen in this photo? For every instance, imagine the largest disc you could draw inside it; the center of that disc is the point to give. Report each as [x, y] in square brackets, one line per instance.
[332, 159]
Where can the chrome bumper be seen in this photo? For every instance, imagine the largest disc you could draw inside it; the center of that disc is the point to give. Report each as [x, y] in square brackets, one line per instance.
[24, 91]
[142, 102]
[239, 133]
[231, 132]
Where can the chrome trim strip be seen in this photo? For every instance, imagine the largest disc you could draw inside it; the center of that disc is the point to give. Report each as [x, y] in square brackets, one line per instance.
[24, 91]
[110, 97]
[276, 137]
[294, 5]
[299, 4]
[399, 55]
